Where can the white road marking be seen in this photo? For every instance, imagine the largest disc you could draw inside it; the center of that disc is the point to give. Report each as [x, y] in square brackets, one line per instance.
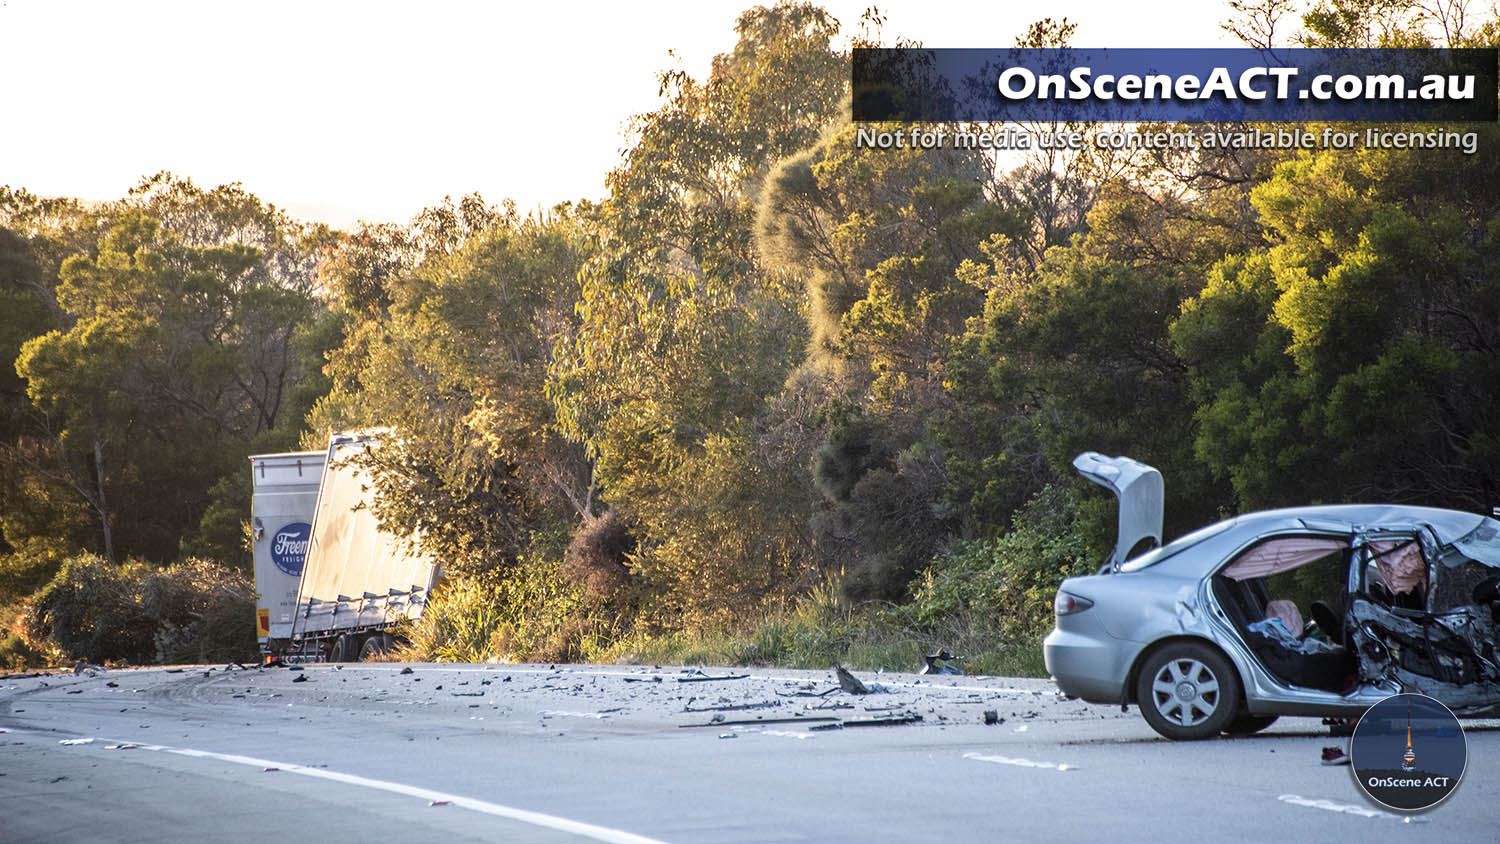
[1023, 763]
[1347, 808]
[793, 734]
[433, 798]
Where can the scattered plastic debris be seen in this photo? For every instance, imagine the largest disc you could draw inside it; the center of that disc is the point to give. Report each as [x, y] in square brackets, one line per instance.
[848, 682]
[759, 721]
[938, 663]
[77, 741]
[407, 670]
[992, 717]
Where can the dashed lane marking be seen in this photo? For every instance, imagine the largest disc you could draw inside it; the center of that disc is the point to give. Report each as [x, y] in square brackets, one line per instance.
[1021, 763]
[1348, 809]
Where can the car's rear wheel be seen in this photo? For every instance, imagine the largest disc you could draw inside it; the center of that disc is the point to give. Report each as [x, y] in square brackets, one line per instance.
[1245, 724]
[1187, 691]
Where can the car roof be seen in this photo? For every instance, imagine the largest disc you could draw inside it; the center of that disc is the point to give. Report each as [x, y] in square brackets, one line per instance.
[1448, 525]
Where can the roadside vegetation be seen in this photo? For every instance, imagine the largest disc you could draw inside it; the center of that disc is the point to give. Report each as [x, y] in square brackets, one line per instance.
[775, 400]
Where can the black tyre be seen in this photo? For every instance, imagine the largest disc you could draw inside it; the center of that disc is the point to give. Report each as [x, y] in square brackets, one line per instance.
[376, 645]
[1188, 691]
[1246, 724]
[345, 649]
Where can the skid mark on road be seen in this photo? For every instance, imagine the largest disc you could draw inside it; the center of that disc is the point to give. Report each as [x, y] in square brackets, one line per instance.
[1021, 763]
[435, 798]
[1347, 809]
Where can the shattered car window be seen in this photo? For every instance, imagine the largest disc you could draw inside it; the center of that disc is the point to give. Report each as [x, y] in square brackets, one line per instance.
[1481, 545]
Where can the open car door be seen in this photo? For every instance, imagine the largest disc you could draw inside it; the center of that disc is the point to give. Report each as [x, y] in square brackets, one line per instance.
[1424, 612]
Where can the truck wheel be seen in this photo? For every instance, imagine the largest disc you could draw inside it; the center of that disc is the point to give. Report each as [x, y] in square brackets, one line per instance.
[345, 649]
[376, 645]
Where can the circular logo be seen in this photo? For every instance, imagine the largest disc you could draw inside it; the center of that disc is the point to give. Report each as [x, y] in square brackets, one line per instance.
[289, 547]
[1408, 752]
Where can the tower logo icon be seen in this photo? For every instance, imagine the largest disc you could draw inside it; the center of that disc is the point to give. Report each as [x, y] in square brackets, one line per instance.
[1384, 759]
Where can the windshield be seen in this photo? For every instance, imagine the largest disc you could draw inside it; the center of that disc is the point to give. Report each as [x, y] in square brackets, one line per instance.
[1176, 546]
[1482, 545]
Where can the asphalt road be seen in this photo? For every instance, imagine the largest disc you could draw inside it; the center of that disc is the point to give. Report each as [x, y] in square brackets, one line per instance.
[528, 753]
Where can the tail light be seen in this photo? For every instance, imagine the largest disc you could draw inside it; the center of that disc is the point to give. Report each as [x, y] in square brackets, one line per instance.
[1065, 604]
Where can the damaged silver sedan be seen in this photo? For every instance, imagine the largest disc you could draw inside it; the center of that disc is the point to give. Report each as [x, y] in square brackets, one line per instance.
[1319, 611]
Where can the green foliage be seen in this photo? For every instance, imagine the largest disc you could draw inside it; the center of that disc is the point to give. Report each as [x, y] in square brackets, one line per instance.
[173, 348]
[1006, 585]
[97, 611]
[30, 567]
[822, 628]
[1365, 335]
[527, 613]
[772, 376]
[456, 363]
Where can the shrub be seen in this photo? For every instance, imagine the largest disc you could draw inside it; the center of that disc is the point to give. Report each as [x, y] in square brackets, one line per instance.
[1007, 584]
[529, 612]
[596, 556]
[204, 612]
[194, 611]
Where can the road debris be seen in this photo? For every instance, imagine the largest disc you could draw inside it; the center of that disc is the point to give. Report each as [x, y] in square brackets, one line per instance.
[707, 679]
[992, 717]
[407, 670]
[938, 663]
[732, 708]
[300, 678]
[758, 721]
[83, 666]
[73, 741]
[908, 718]
[848, 682]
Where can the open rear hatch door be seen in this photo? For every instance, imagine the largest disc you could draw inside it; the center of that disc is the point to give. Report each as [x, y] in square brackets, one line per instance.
[1139, 490]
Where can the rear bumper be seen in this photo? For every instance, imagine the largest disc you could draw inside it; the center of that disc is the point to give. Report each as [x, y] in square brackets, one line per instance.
[1089, 665]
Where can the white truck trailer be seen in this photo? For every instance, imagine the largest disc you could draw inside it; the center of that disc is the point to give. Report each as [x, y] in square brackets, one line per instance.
[330, 583]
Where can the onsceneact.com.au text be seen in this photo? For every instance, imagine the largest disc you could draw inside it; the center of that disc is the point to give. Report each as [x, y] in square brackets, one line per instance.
[1255, 83]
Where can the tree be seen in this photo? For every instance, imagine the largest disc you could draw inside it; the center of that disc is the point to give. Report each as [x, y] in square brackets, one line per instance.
[1350, 362]
[174, 350]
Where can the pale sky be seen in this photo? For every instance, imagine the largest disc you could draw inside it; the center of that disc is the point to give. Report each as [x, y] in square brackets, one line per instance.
[340, 110]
